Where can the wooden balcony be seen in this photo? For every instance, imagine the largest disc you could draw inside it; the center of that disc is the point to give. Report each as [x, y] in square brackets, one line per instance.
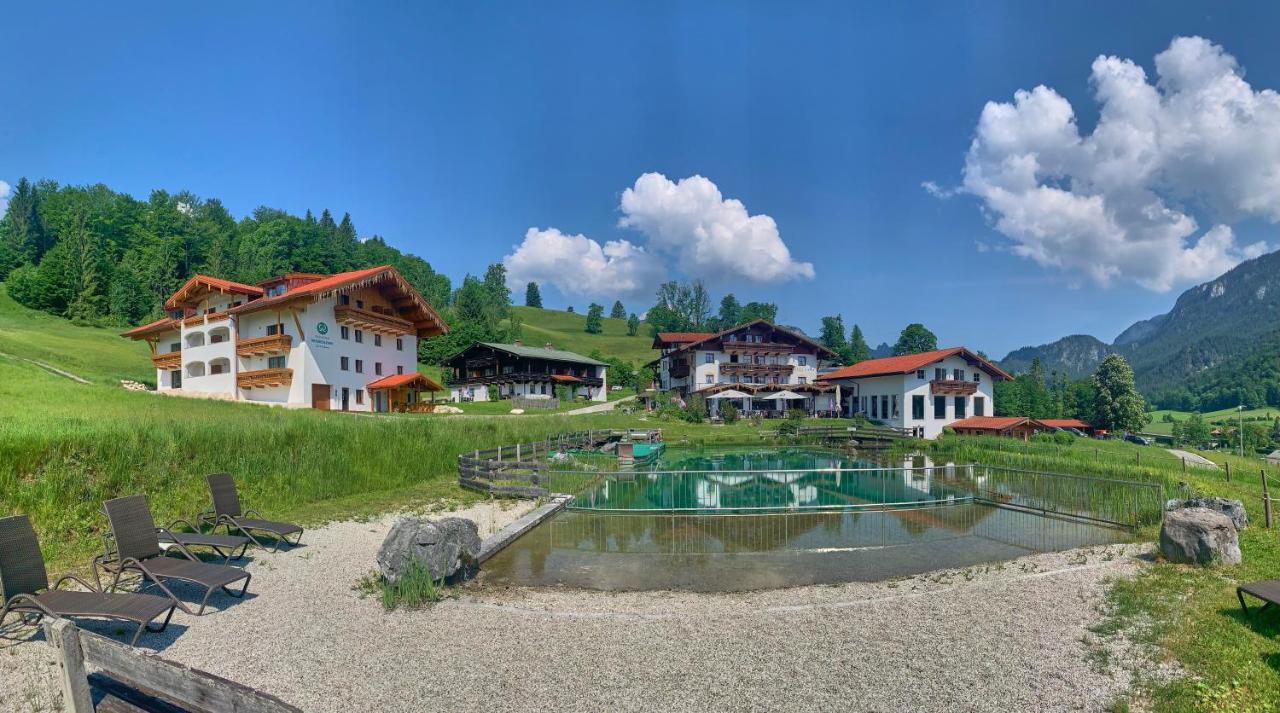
[743, 367]
[679, 370]
[262, 346]
[263, 378]
[952, 387]
[372, 321]
[202, 318]
[757, 348]
[167, 361]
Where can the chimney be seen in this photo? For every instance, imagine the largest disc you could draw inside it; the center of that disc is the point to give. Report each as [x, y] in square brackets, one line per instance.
[519, 343]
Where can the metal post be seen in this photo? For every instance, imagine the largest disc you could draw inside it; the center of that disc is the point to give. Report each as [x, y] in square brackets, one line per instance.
[1266, 500]
[1228, 471]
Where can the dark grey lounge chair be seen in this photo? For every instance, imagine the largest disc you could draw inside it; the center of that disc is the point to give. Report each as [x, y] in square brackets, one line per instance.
[1268, 590]
[228, 547]
[137, 548]
[226, 512]
[26, 589]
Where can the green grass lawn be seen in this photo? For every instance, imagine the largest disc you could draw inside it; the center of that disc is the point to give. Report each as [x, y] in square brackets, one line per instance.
[567, 331]
[1230, 416]
[502, 407]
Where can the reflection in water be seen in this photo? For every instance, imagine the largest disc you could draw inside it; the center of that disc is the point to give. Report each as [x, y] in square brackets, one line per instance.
[694, 529]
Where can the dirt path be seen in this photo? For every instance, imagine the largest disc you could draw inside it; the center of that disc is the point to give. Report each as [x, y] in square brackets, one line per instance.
[1197, 460]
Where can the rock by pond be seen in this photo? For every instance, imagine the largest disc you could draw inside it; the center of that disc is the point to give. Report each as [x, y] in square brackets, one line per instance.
[1199, 536]
[1233, 509]
[445, 547]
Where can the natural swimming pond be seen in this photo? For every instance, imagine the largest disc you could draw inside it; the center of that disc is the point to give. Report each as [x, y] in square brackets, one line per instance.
[750, 518]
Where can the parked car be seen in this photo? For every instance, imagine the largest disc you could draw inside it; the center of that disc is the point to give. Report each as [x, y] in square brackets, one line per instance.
[1135, 438]
[1077, 432]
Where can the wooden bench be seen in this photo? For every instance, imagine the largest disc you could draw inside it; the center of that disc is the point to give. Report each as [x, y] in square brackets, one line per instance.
[129, 680]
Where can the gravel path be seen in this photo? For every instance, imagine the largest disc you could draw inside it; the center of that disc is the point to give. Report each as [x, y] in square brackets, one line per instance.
[1010, 636]
[1193, 458]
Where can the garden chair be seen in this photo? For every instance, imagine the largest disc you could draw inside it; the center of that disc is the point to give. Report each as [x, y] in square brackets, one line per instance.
[137, 548]
[1268, 590]
[225, 546]
[227, 512]
[25, 587]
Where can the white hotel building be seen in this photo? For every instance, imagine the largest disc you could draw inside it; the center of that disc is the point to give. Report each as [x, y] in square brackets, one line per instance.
[925, 392]
[343, 342]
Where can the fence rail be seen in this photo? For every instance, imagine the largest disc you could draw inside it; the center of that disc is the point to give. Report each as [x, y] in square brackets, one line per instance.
[521, 469]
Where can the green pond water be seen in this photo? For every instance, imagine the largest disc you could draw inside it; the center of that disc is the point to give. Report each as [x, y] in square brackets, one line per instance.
[740, 519]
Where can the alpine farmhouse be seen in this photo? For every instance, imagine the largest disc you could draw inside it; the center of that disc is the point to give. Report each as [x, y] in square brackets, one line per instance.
[518, 370]
[344, 342]
[922, 393]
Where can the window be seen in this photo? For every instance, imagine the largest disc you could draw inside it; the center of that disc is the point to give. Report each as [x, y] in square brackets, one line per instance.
[359, 366]
[377, 368]
[805, 380]
[979, 406]
[957, 374]
[359, 336]
[917, 405]
[875, 407]
[940, 407]
[217, 367]
[344, 299]
[175, 346]
[804, 361]
[940, 374]
[710, 358]
[960, 404]
[377, 340]
[709, 379]
[175, 379]
[273, 329]
[400, 370]
[275, 362]
[359, 396]
[895, 406]
[343, 363]
[344, 332]
[920, 374]
[399, 344]
[884, 406]
[977, 377]
[359, 305]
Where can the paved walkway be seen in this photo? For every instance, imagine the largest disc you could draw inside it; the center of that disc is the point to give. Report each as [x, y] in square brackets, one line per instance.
[1193, 459]
[597, 408]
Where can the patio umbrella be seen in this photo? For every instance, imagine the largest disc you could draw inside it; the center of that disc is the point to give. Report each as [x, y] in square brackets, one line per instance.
[783, 396]
[729, 394]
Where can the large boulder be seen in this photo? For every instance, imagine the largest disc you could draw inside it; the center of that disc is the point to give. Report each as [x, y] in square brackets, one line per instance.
[1233, 509]
[444, 547]
[1199, 536]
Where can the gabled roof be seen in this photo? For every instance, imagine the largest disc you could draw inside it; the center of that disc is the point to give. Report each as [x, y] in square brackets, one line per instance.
[907, 363]
[395, 380]
[1064, 423]
[716, 335]
[211, 284]
[662, 339]
[160, 326]
[547, 353]
[425, 318]
[993, 423]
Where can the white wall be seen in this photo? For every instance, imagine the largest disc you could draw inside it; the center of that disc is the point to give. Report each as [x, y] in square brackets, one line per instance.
[907, 386]
[322, 358]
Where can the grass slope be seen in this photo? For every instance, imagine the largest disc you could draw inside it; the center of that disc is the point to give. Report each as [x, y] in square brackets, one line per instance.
[96, 354]
[567, 330]
[1229, 415]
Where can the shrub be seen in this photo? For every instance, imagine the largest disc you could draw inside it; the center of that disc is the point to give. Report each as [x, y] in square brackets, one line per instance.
[729, 413]
[1042, 437]
[796, 414]
[1064, 438]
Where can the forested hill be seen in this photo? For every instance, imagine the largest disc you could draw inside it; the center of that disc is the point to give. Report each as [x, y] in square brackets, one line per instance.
[96, 255]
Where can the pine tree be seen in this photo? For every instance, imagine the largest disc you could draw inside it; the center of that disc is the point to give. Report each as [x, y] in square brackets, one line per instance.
[833, 338]
[858, 349]
[730, 312]
[618, 311]
[595, 319]
[532, 295]
[914, 340]
[633, 325]
[1117, 404]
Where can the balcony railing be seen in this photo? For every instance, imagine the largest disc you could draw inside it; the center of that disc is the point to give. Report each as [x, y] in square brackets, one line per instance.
[202, 318]
[167, 361]
[371, 321]
[261, 346]
[757, 347]
[263, 378]
[952, 387]
[741, 367]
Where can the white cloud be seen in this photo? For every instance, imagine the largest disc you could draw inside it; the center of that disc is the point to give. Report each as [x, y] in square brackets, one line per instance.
[1115, 205]
[4, 196]
[713, 237]
[578, 265]
[937, 191]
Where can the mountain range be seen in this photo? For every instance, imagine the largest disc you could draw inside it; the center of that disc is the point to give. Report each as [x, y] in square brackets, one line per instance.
[1216, 347]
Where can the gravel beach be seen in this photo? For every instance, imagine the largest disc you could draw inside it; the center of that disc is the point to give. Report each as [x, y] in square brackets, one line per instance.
[1011, 636]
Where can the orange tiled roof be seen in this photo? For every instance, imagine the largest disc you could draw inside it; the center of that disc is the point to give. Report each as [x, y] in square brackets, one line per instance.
[565, 379]
[391, 382]
[908, 363]
[681, 337]
[1064, 422]
[216, 283]
[992, 423]
[163, 324]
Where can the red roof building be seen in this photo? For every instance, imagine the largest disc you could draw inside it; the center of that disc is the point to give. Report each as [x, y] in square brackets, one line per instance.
[1019, 427]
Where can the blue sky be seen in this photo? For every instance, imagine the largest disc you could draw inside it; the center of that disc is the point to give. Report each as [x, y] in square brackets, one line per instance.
[453, 129]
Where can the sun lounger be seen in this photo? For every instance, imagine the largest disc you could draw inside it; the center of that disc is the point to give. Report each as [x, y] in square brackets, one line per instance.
[225, 546]
[1268, 590]
[137, 549]
[226, 512]
[26, 587]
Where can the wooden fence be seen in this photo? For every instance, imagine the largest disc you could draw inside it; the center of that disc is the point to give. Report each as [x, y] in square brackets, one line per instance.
[520, 470]
[129, 679]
